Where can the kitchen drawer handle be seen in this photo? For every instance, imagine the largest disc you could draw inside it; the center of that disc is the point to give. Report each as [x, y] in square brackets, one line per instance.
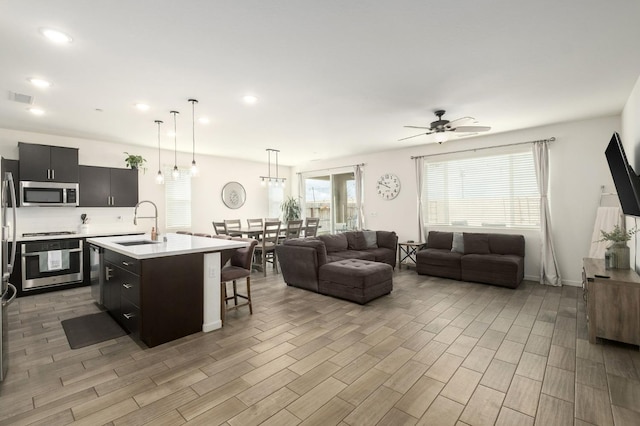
[125, 263]
[127, 285]
[128, 316]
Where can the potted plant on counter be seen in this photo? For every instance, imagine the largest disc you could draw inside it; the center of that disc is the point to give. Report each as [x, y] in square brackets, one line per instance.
[136, 162]
[617, 254]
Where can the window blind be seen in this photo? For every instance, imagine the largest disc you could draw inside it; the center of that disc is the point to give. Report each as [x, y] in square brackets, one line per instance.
[496, 190]
[177, 199]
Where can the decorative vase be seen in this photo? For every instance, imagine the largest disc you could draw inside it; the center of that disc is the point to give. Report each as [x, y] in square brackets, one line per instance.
[619, 254]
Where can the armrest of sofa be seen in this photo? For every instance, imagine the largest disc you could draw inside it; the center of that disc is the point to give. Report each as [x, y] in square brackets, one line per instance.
[387, 239]
[300, 260]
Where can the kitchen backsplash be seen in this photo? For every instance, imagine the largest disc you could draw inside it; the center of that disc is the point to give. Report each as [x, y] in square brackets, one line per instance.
[52, 219]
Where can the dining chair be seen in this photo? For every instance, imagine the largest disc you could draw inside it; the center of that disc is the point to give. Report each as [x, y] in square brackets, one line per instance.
[220, 228]
[255, 223]
[233, 227]
[239, 267]
[293, 229]
[311, 226]
[266, 249]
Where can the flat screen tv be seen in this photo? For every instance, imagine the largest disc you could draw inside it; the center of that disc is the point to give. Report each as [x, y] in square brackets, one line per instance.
[625, 179]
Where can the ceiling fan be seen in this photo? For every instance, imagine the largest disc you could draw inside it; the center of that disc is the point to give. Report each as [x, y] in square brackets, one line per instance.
[441, 126]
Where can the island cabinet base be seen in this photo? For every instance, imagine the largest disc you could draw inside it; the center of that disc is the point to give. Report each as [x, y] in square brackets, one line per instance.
[171, 298]
[157, 300]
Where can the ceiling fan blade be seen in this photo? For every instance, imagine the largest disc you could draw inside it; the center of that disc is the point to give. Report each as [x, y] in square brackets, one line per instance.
[471, 129]
[414, 136]
[418, 127]
[461, 121]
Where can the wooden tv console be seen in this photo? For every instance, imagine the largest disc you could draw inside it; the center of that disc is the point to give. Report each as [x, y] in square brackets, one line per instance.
[613, 304]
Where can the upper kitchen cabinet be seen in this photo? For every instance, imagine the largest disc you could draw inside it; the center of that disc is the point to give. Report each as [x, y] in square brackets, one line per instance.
[44, 163]
[108, 187]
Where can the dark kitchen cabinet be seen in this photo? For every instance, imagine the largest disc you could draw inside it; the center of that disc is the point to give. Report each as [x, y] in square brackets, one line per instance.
[122, 290]
[13, 166]
[108, 187]
[44, 163]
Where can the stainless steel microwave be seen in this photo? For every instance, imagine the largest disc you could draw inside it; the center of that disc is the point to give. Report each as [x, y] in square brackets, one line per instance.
[48, 194]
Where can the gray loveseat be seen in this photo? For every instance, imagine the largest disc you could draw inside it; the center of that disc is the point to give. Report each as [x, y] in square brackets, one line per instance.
[486, 258]
[302, 261]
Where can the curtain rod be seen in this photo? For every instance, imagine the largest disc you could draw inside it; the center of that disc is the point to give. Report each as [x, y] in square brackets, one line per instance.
[330, 168]
[551, 139]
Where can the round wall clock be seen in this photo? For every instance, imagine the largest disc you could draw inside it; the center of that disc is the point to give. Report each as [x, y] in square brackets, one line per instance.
[233, 195]
[388, 186]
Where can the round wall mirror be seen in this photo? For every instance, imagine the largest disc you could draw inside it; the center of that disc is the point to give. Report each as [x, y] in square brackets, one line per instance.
[233, 195]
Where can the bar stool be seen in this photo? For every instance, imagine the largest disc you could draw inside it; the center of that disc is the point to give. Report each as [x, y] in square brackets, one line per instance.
[239, 267]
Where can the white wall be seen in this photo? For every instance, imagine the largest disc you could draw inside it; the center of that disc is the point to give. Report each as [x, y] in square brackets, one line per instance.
[206, 188]
[578, 169]
[631, 140]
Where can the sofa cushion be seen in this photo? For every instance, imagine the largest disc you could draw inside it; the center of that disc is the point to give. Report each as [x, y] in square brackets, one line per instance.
[387, 239]
[439, 240]
[439, 262]
[476, 243]
[371, 239]
[457, 244]
[310, 242]
[499, 269]
[506, 244]
[356, 240]
[384, 255]
[350, 254]
[334, 242]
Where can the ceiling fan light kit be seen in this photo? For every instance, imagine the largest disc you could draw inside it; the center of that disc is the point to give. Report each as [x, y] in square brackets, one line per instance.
[441, 126]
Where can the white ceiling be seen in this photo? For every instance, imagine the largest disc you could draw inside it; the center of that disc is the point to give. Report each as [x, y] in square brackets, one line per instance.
[333, 77]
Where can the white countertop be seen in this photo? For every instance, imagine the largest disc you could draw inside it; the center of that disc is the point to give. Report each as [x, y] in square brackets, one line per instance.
[176, 244]
[21, 238]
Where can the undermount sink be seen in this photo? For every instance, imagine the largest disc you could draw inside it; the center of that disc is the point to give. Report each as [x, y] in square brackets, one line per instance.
[138, 243]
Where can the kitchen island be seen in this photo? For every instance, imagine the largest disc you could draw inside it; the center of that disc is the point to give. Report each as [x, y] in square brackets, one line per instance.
[163, 290]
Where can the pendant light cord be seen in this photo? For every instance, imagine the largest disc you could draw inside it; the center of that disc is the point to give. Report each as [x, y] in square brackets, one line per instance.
[193, 128]
[175, 140]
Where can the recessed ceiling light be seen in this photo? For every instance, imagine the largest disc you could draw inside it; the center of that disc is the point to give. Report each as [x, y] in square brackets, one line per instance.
[36, 111]
[142, 107]
[55, 36]
[38, 82]
[250, 99]
[203, 120]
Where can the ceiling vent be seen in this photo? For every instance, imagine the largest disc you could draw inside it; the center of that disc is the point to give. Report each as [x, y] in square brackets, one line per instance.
[20, 97]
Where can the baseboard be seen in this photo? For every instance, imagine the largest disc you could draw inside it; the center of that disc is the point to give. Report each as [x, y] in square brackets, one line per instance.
[571, 283]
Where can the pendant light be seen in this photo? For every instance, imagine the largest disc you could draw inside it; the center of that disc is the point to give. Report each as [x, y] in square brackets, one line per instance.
[175, 174]
[159, 176]
[268, 180]
[194, 168]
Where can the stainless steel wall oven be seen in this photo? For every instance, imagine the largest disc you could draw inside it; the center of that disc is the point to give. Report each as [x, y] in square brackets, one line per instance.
[51, 263]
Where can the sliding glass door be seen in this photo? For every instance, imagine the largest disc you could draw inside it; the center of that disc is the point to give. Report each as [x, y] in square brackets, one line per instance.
[332, 198]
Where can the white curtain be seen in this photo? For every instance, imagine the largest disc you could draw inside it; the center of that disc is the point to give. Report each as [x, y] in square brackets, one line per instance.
[357, 172]
[549, 271]
[419, 163]
[301, 196]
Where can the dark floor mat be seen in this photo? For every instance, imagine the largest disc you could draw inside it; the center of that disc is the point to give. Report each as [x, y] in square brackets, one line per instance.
[91, 329]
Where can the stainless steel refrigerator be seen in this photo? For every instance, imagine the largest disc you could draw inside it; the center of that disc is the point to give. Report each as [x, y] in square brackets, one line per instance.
[7, 290]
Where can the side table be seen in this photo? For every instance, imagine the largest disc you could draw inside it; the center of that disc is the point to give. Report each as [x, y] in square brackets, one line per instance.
[407, 252]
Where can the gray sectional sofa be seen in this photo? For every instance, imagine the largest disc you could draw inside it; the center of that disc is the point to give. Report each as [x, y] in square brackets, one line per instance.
[354, 265]
[486, 258]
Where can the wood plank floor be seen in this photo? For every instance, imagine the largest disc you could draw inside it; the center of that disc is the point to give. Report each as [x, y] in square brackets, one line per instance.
[434, 352]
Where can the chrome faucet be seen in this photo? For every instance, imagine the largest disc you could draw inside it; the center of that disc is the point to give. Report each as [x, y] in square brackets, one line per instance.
[135, 216]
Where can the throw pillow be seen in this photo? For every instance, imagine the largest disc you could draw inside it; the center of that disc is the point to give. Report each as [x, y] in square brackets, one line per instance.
[476, 243]
[371, 239]
[458, 243]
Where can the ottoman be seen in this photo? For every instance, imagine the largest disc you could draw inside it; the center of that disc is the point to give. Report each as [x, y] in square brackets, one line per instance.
[356, 280]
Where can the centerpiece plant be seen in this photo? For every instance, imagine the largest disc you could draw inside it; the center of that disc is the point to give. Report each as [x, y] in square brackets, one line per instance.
[290, 209]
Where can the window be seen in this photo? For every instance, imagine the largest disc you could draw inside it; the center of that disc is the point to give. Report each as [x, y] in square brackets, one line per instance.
[332, 198]
[178, 199]
[498, 190]
[276, 197]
